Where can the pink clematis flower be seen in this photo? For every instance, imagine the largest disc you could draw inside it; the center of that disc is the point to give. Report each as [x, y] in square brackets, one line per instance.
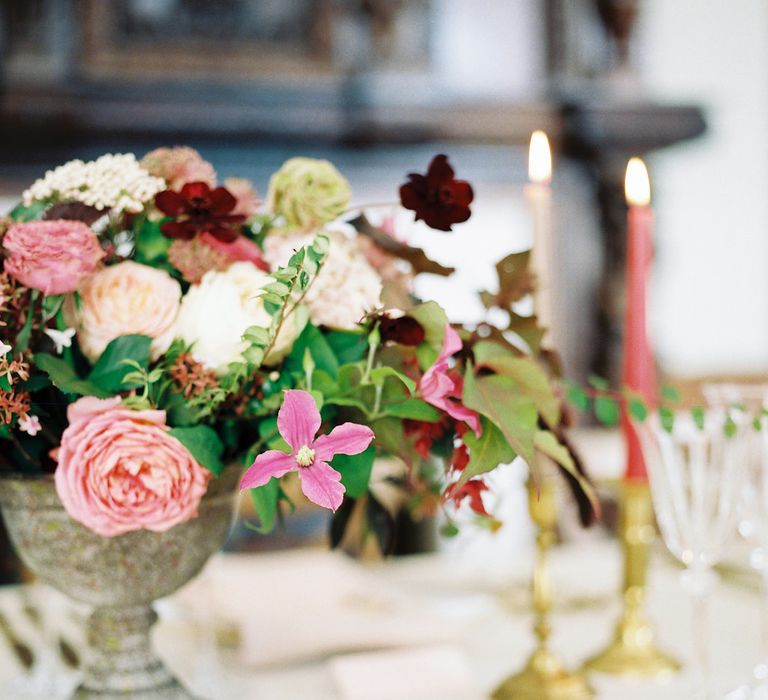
[441, 390]
[298, 421]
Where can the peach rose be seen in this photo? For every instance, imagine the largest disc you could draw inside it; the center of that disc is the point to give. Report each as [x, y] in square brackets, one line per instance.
[124, 299]
[119, 470]
[52, 256]
[179, 165]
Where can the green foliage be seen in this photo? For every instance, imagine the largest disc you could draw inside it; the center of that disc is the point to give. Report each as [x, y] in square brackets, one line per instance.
[64, 377]
[413, 409]
[498, 398]
[355, 471]
[112, 369]
[265, 500]
[697, 413]
[485, 452]
[529, 376]
[547, 443]
[203, 444]
[607, 410]
[669, 393]
[667, 417]
[577, 397]
[151, 246]
[29, 212]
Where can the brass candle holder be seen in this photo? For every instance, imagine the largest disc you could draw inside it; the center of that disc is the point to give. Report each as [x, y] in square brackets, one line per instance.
[633, 652]
[544, 676]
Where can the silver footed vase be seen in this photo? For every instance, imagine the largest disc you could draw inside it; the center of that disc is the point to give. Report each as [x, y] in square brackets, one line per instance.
[119, 577]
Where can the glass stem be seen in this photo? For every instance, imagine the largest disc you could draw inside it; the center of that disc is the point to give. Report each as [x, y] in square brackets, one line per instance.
[698, 581]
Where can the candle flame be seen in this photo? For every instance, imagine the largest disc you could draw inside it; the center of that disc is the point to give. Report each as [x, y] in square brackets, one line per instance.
[539, 159]
[637, 186]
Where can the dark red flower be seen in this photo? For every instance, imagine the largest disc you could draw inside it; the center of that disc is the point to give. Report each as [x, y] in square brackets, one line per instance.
[405, 330]
[438, 199]
[426, 434]
[199, 209]
[472, 490]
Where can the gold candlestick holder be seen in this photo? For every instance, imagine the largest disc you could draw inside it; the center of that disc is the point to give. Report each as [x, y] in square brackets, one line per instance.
[544, 676]
[633, 651]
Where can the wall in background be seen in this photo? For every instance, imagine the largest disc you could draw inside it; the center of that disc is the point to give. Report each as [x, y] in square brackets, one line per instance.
[710, 308]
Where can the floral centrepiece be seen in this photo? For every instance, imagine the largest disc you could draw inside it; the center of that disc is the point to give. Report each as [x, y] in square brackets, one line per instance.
[157, 325]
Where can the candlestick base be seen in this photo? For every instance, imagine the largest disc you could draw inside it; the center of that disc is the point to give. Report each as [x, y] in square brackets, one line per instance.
[544, 678]
[633, 651]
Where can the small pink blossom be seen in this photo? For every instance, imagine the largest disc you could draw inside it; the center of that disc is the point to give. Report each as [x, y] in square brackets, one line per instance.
[51, 256]
[242, 249]
[30, 425]
[298, 422]
[120, 470]
[244, 192]
[178, 166]
[438, 388]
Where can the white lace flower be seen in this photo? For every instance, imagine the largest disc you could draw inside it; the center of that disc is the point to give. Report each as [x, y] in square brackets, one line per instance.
[346, 288]
[30, 425]
[61, 339]
[4, 348]
[114, 181]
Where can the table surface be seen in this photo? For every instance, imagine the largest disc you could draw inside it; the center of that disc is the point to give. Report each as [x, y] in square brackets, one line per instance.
[490, 625]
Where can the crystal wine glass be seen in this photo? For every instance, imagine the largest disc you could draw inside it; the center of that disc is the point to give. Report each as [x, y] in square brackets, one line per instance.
[753, 515]
[696, 471]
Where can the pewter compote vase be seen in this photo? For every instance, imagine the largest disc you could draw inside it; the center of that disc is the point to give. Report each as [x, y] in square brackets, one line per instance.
[119, 576]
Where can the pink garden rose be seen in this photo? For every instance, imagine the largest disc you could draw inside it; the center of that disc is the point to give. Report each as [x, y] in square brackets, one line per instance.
[178, 166]
[119, 470]
[52, 256]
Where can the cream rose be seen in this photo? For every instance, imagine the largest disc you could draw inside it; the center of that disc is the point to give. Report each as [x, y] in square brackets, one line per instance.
[215, 314]
[124, 299]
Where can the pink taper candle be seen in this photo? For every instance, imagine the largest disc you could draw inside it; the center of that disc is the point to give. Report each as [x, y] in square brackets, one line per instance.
[639, 373]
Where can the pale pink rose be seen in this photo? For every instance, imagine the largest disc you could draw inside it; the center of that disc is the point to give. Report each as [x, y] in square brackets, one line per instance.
[245, 193]
[124, 299]
[179, 165]
[120, 470]
[52, 256]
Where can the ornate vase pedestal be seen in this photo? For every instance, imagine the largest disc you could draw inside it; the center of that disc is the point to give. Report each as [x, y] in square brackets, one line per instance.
[119, 576]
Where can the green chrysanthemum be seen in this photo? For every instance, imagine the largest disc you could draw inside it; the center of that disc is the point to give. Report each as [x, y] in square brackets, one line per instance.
[308, 193]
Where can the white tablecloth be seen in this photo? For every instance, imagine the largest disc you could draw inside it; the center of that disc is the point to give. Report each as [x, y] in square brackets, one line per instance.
[486, 625]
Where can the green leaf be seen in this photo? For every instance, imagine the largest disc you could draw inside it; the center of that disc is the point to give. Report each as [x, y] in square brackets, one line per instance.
[355, 471]
[432, 319]
[256, 335]
[697, 413]
[390, 436]
[730, 429]
[51, 306]
[312, 338]
[265, 499]
[547, 443]
[669, 393]
[598, 382]
[637, 408]
[498, 398]
[203, 444]
[65, 378]
[347, 346]
[116, 362]
[151, 244]
[527, 373]
[379, 374]
[413, 409]
[485, 452]
[607, 410]
[577, 397]
[449, 530]
[28, 212]
[667, 417]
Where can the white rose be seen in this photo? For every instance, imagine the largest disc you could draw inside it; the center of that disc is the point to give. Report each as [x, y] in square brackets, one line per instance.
[347, 286]
[216, 312]
[125, 299]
